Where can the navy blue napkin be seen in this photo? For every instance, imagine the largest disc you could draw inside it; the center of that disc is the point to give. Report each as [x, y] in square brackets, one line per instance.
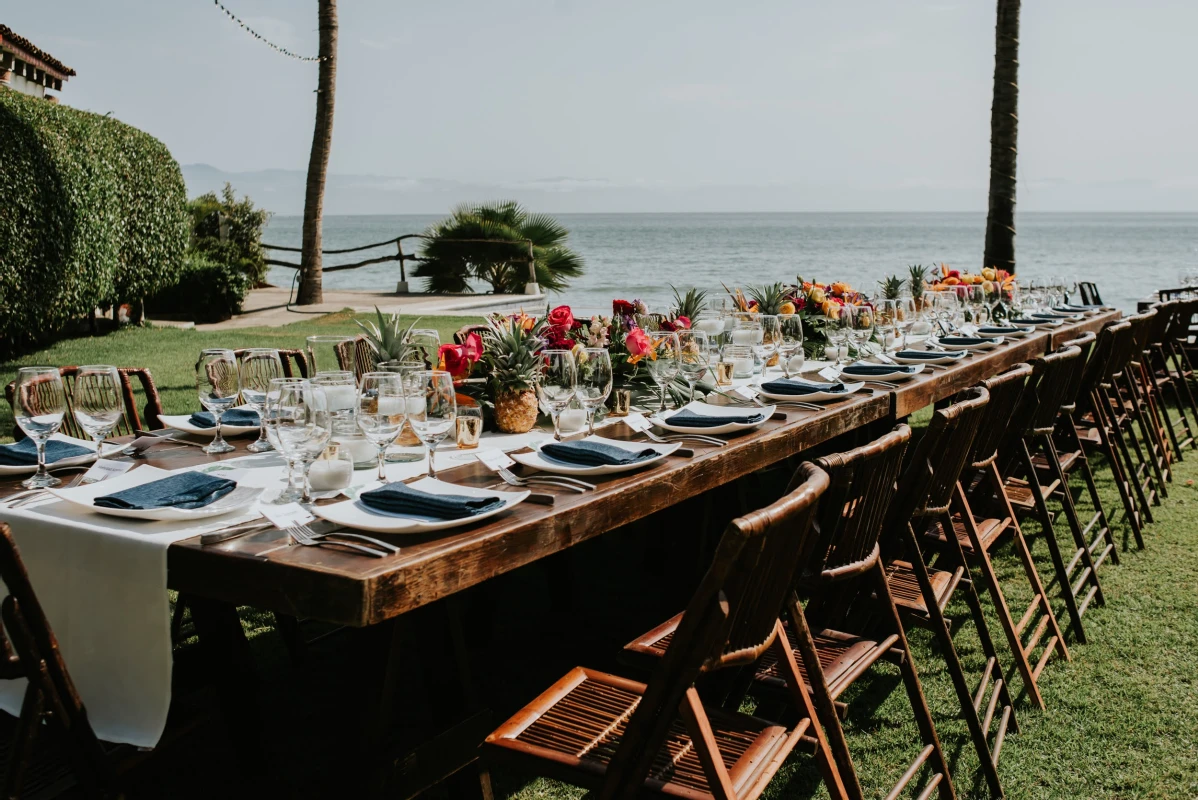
[689, 419]
[1049, 315]
[595, 454]
[239, 417]
[1033, 321]
[399, 498]
[185, 490]
[24, 452]
[875, 369]
[965, 340]
[927, 354]
[995, 330]
[799, 387]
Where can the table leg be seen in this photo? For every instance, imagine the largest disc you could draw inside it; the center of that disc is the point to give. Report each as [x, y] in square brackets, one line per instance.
[227, 654]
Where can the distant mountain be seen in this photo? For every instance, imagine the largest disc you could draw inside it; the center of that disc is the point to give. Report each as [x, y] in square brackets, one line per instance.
[282, 192]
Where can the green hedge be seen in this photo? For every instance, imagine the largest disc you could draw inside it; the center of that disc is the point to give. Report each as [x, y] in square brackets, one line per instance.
[207, 291]
[92, 212]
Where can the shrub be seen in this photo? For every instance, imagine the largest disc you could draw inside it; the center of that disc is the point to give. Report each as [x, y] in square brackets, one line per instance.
[241, 246]
[207, 291]
[93, 214]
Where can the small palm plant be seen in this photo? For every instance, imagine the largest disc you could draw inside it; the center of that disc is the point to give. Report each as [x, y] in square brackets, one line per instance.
[490, 242]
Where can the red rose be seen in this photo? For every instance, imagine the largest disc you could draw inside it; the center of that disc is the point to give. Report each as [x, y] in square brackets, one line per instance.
[683, 323]
[454, 360]
[561, 317]
[637, 342]
[622, 308]
[473, 347]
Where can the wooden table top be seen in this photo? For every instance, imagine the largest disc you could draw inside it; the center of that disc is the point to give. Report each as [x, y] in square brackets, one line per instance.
[322, 583]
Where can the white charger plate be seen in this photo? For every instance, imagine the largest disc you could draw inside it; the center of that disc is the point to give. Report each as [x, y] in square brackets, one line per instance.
[895, 376]
[1011, 332]
[84, 496]
[934, 358]
[353, 514]
[75, 461]
[994, 341]
[182, 422]
[546, 464]
[813, 397]
[709, 410]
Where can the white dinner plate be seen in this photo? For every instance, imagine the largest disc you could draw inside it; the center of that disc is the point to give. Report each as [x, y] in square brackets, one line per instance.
[182, 422]
[813, 397]
[897, 375]
[934, 357]
[353, 514]
[108, 449]
[240, 499]
[1043, 324]
[661, 418]
[990, 343]
[1011, 332]
[544, 463]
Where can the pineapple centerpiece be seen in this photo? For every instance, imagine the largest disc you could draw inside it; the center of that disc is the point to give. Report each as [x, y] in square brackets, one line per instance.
[512, 358]
[918, 279]
[892, 287]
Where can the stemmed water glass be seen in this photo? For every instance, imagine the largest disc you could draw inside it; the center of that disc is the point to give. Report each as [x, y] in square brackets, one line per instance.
[836, 328]
[693, 356]
[293, 491]
[905, 317]
[325, 353]
[790, 345]
[39, 404]
[860, 324]
[258, 367]
[557, 385]
[439, 409]
[427, 343]
[594, 382]
[770, 336]
[663, 360]
[300, 417]
[382, 407]
[218, 385]
[979, 305]
[886, 322]
[96, 401]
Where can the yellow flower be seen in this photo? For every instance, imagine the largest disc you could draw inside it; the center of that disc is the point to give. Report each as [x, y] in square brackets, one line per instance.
[817, 296]
[988, 273]
[786, 308]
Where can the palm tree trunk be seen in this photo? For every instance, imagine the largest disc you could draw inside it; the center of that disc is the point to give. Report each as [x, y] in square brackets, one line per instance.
[311, 275]
[1004, 123]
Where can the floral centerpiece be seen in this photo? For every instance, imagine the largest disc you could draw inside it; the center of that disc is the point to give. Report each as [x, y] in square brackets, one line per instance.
[813, 301]
[998, 284]
[511, 348]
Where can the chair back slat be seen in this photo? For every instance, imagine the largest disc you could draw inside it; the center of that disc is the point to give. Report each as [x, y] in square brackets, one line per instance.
[357, 355]
[843, 541]
[1051, 376]
[295, 365]
[1005, 390]
[131, 418]
[1085, 343]
[1089, 292]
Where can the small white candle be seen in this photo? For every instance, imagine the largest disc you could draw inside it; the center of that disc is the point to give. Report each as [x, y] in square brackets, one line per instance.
[742, 367]
[359, 448]
[340, 398]
[331, 473]
[572, 419]
[796, 363]
[743, 336]
[712, 327]
[392, 406]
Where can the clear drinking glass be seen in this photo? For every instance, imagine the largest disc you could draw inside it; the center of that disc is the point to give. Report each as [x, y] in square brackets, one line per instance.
[770, 336]
[436, 419]
[663, 360]
[39, 404]
[860, 324]
[258, 367]
[427, 344]
[836, 328]
[905, 318]
[694, 357]
[218, 385]
[96, 401]
[979, 305]
[325, 353]
[382, 407]
[557, 384]
[594, 381]
[790, 345]
[886, 322]
[294, 489]
[303, 428]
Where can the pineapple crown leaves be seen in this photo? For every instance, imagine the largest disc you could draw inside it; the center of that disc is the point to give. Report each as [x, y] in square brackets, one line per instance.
[769, 297]
[892, 287]
[688, 305]
[385, 336]
[512, 351]
[919, 274]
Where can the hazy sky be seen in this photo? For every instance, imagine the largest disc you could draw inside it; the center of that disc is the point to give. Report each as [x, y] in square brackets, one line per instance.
[877, 96]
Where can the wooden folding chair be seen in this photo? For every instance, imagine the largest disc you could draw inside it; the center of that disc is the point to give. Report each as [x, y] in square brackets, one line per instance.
[924, 509]
[1161, 371]
[1172, 349]
[131, 420]
[295, 365]
[625, 739]
[1089, 293]
[1033, 434]
[1149, 444]
[983, 515]
[357, 356]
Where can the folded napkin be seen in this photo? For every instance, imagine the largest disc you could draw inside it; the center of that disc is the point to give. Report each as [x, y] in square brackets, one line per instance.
[797, 386]
[875, 369]
[689, 419]
[399, 498]
[1072, 309]
[997, 330]
[965, 340]
[24, 452]
[1049, 315]
[239, 417]
[928, 354]
[185, 490]
[1033, 321]
[596, 454]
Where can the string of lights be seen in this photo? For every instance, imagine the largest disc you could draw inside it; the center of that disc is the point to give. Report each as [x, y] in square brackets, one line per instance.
[262, 38]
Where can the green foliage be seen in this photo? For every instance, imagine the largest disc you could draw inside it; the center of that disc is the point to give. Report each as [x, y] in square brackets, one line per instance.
[241, 246]
[93, 215]
[207, 291]
[511, 352]
[892, 287]
[919, 274]
[769, 297]
[450, 265]
[388, 337]
[689, 305]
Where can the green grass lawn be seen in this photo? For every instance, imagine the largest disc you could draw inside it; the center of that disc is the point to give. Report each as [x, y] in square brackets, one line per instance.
[171, 353]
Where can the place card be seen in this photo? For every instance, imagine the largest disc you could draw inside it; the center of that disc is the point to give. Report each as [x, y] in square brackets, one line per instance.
[748, 393]
[829, 374]
[637, 422]
[104, 469]
[286, 515]
[494, 460]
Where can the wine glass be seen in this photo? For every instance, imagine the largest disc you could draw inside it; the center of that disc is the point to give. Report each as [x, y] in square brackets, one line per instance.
[427, 344]
[303, 427]
[325, 353]
[39, 404]
[438, 410]
[293, 490]
[979, 307]
[693, 355]
[218, 385]
[556, 386]
[860, 324]
[886, 322]
[96, 401]
[943, 310]
[836, 328]
[770, 336]
[790, 345]
[905, 317]
[382, 406]
[663, 360]
[594, 381]
[258, 367]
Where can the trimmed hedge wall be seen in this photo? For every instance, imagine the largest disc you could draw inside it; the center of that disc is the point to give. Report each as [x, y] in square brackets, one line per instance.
[92, 212]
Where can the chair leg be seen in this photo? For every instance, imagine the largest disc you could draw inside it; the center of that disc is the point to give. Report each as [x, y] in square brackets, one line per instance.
[1181, 365]
[1130, 508]
[20, 756]
[1154, 408]
[1132, 472]
[1100, 519]
[1154, 455]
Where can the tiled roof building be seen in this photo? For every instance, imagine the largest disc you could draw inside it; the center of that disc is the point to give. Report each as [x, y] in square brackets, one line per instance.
[27, 68]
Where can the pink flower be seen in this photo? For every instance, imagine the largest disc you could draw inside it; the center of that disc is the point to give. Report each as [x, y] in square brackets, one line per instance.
[637, 342]
[472, 348]
[682, 323]
[561, 317]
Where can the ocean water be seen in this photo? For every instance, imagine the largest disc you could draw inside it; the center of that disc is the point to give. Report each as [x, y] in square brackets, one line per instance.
[640, 255]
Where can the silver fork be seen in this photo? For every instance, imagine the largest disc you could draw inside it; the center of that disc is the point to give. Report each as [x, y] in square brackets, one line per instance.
[302, 534]
[340, 534]
[560, 481]
[33, 495]
[683, 437]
